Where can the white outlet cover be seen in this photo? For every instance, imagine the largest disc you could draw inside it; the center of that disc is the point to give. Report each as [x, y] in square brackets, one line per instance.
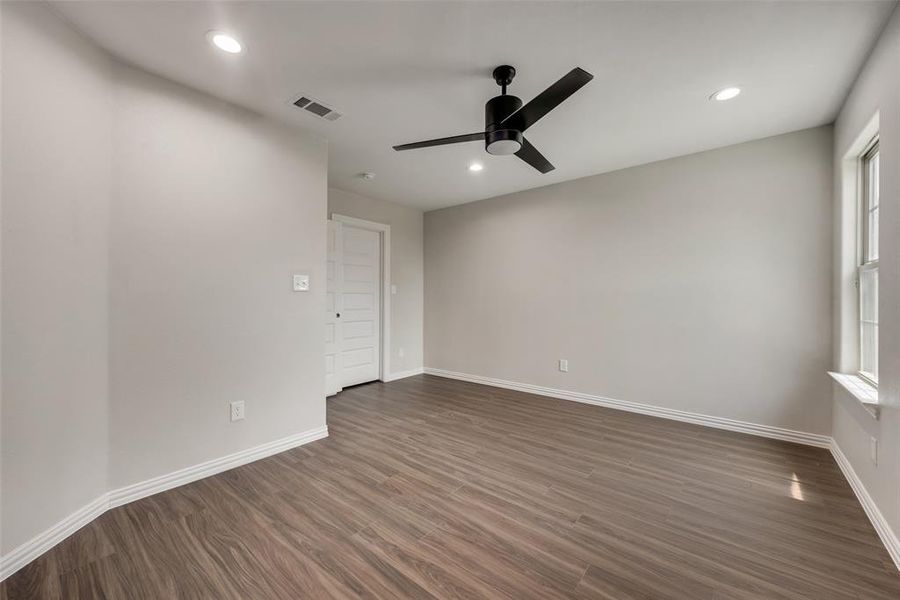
[393, 290]
[237, 410]
[301, 283]
[563, 365]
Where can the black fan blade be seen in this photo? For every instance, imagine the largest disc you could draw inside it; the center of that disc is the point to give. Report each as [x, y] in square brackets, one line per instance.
[469, 137]
[547, 100]
[530, 154]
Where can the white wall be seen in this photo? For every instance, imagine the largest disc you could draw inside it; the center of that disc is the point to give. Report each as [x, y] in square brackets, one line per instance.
[700, 283]
[156, 222]
[877, 90]
[407, 270]
[214, 209]
[57, 126]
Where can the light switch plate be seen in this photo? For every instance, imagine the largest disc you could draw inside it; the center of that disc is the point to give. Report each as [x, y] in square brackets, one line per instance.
[563, 365]
[301, 283]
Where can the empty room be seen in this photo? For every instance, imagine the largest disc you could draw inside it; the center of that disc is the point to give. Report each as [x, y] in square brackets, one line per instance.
[524, 300]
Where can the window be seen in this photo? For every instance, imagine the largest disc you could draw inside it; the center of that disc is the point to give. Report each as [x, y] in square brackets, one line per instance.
[867, 272]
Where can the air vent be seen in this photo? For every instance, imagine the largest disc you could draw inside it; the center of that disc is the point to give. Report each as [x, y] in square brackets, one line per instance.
[317, 108]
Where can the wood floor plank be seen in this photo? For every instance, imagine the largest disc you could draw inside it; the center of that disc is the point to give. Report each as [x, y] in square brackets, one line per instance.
[434, 488]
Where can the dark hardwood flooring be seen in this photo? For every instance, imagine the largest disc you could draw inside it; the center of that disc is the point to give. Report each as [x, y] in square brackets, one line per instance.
[432, 488]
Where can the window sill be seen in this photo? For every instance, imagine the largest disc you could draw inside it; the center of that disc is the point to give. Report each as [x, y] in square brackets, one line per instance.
[862, 390]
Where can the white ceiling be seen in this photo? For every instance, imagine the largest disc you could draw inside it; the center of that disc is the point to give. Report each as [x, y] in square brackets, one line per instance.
[407, 71]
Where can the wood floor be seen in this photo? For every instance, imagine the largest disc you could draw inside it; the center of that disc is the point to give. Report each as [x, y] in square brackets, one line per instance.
[433, 488]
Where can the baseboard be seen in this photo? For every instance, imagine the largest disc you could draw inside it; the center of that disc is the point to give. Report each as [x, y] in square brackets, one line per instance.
[768, 431]
[888, 538]
[43, 542]
[403, 374]
[142, 489]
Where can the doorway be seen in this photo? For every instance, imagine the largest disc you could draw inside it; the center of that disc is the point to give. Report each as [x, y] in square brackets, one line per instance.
[356, 306]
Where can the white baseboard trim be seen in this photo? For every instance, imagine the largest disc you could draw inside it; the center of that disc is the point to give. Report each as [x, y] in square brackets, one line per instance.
[43, 542]
[888, 538]
[403, 374]
[778, 433]
[142, 489]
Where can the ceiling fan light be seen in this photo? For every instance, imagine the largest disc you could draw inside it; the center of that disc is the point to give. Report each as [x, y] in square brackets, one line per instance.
[504, 147]
[503, 142]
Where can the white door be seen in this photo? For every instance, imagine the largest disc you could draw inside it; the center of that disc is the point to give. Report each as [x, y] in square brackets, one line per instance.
[332, 310]
[359, 334]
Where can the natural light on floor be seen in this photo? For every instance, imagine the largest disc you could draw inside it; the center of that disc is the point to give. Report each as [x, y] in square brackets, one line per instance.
[796, 490]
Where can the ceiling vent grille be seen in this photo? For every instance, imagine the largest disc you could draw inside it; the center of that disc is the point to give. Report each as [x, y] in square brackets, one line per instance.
[320, 109]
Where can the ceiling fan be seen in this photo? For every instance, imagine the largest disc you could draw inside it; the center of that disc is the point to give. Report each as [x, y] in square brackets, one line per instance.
[505, 119]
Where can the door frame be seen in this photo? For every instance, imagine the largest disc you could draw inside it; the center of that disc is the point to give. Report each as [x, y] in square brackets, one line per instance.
[384, 232]
[337, 270]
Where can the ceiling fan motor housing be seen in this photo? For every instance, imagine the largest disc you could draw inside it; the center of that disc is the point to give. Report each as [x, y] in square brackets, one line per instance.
[497, 140]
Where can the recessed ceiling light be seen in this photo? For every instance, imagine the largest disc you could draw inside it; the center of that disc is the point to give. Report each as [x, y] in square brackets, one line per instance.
[726, 94]
[474, 167]
[225, 42]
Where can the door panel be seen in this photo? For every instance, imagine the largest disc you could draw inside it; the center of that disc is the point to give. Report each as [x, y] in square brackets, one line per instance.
[357, 329]
[360, 331]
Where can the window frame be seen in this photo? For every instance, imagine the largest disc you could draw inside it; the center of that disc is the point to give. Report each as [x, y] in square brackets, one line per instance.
[865, 262]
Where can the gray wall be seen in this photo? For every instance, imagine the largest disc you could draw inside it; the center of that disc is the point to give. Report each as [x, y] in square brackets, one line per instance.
[701, 283]
[876, 90]
[157, 223]
[214, 209]
[55, 215]
[406, 270]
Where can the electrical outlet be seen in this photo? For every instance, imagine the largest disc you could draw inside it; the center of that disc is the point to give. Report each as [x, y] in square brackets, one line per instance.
[873, 450]
[400, 352]
[237, 410]
[301, 283]
[393, 290]
[563, 365]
